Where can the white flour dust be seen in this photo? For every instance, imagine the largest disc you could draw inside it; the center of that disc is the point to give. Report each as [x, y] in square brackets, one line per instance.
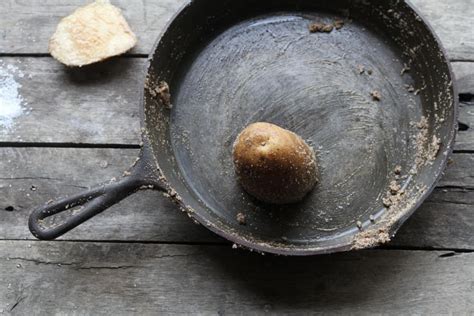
[11, 102]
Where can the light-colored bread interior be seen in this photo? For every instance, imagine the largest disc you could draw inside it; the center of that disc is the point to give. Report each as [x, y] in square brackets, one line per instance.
[92, 33]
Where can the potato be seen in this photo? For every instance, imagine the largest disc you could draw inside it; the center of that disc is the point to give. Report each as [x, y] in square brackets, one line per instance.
[273, 164]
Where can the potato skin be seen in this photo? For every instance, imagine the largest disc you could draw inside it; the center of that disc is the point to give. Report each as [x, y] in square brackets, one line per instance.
[273, 164]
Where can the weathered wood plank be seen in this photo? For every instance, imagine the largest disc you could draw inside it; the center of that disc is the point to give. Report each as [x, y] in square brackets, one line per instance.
[460, 172]
[464, 73]
[444, 221]
[453, 27]
[31, 176]
[465, 136]
[99, 104]
[25, 26]
[40, 278]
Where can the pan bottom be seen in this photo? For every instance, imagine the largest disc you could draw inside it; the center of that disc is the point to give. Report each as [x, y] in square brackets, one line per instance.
[319, 85]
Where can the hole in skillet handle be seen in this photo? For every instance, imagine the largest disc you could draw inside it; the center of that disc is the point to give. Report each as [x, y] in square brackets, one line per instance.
[142, 175]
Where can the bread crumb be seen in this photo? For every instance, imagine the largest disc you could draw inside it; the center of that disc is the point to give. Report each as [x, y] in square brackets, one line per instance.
[338, 23]
[404, 70]
[316, 27]
[163, 93]
[394, 187]
[396, 205]
[241, 219]
[371, 238]
[160, 91]
[426, 150]
[387, 202]
[397, 170]
[376, 95]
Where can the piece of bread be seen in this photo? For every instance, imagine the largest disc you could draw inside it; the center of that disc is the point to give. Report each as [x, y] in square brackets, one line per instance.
[273, 164]
[90, 34]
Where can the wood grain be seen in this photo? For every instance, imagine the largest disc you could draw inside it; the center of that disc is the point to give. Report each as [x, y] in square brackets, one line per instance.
[26, 26]
[460, 172]
[453, 27]
[95, 104]
[444, 221]
[131, 272]
[465, 136]
[40, 278]
[464, 73]
[100, 104]
[31, 176]
[465, 83]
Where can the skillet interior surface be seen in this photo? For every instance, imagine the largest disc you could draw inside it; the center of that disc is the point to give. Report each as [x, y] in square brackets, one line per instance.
[231, 63]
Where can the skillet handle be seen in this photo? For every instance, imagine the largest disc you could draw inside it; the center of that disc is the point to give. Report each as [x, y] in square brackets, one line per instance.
[142, 175]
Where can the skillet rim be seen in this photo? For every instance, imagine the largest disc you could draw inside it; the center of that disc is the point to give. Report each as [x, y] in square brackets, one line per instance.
[347, 241]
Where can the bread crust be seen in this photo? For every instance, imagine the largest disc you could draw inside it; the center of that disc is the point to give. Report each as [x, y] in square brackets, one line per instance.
[91, 34]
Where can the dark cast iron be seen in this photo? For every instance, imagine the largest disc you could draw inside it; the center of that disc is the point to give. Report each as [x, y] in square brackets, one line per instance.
[231, 63]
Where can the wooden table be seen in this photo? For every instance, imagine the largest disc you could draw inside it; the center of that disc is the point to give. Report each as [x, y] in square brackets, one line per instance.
[145, 257]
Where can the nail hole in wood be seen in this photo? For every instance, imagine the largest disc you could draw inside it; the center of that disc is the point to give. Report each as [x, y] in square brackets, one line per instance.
[462, 126]
[466, 97]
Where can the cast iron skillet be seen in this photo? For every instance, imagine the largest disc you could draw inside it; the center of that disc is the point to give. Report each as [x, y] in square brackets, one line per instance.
[231, 63]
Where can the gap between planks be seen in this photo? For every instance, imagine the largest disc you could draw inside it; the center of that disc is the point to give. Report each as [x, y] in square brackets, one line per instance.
[34, 175]
[124, 279]
[225, 243]
[100, 104]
